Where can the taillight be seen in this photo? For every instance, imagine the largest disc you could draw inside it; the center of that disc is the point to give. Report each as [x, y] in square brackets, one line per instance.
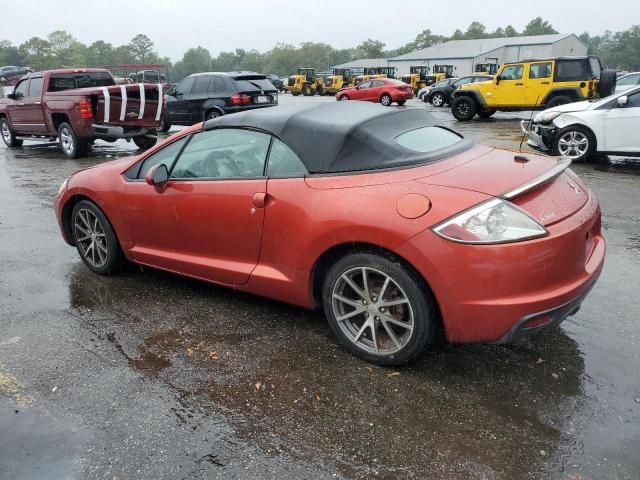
[240, 99]
[85, 109]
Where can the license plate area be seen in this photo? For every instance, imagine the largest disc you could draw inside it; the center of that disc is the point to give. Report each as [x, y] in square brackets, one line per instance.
[262, 99]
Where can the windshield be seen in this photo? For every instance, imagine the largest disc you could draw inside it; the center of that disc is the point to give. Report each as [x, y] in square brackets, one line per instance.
[68, 81]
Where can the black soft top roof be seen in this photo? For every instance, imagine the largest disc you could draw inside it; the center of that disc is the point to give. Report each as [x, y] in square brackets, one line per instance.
[343, 136]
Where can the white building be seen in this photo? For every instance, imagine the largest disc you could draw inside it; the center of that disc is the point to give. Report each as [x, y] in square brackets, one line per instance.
[358, 66]
[464, 55]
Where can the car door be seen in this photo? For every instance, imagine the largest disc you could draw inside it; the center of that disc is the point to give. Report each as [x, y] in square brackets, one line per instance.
[621, 126]
[362, 90]
[508, 88]
[31, 108]
[178, 102]
[199, 95]
[376, 90]
[15, 106]
[539, 82]
[207, 222]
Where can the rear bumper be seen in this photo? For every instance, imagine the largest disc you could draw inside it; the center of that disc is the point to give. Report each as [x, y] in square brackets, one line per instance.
[489, 293]
[111, 132]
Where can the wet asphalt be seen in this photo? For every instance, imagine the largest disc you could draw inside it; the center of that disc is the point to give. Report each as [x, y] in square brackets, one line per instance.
[147, 375]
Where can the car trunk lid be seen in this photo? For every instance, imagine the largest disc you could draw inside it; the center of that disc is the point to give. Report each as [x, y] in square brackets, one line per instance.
[540, 185]
[130, 105]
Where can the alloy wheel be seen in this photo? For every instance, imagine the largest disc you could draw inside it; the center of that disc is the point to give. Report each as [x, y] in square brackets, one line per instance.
[66, 140]
[437, 100]
[90, 237]
[573, 144]
[386, 100]
[463, 108]
[372, 311]
[6, 133]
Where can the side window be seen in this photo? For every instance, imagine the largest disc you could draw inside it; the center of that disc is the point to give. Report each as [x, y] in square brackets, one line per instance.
[21, 88]
[540, 70]
[365, 84]
[202, 85]
[634, 100]
[223, 153]
[377, 83]
[283, 162]
[166, 156]
[512, 72]
[462, 81]
[35, 89]
[217, 85]
[184, 88]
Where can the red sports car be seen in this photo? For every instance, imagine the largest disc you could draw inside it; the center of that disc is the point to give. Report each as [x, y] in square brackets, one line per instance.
[378, 90]
[394, 225]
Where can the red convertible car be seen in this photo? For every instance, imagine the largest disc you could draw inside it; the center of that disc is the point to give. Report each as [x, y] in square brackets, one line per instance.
[394, 225]
[378, 90]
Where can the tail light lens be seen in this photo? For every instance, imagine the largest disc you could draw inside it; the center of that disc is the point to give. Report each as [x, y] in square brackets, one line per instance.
[240, 99]
[86, 110]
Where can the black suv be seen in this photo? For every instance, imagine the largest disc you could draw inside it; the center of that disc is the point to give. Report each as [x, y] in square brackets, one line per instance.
[203, 96]
[277, 81]
[440, 93]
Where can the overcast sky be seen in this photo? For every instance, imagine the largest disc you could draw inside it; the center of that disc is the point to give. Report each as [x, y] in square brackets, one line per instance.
[175, 26]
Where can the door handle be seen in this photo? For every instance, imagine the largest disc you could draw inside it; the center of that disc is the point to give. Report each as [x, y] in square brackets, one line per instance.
[21, 104]
[259, 200]
[519, 84]
[544, 83]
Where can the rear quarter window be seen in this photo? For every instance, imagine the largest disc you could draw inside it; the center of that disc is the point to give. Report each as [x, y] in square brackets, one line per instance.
[428, 139]
[250, 85]
[572, 70]
[67, 81]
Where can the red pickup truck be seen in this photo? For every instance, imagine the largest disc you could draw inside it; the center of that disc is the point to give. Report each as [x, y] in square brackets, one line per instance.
[78, 106]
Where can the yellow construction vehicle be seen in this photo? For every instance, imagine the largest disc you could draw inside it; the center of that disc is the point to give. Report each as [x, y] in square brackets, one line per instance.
[371, 72]
[417, 77]
[388, 72]
[440, 72]
[339, 78]
[305, 83]
[490, 68]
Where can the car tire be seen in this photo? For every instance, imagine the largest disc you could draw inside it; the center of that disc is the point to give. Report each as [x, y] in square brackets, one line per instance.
[165, 125]
[211, 114]
[386, 99]
[559, 100]
[343, 98]
[306, 90]
[72, 146]
[413, 315]
[575, 141]
[401, 102]
[89, 226]
[464, 109]
[8, 135]
[437, 100]
[486, 113]
[608, 82]
[145, 142]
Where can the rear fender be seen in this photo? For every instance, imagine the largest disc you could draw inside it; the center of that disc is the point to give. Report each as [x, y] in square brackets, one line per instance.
[572, 92]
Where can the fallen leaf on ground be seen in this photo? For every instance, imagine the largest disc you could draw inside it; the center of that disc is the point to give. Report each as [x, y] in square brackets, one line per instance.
[393, 374]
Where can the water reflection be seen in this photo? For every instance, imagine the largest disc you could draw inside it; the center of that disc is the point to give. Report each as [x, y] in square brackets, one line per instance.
[479, 411]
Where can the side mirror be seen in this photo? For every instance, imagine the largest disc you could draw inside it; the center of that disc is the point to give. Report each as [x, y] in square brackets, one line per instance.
[11, 95]
[158, 175]
[623, 101]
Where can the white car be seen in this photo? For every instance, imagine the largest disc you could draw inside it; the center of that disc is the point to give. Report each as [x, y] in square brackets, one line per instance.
[578, 130]
[625, 82]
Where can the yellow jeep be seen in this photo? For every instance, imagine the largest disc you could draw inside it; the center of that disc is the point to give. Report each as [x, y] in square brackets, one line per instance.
[534, 85]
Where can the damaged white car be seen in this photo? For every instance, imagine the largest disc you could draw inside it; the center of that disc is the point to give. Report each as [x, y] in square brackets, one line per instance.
[578, 130]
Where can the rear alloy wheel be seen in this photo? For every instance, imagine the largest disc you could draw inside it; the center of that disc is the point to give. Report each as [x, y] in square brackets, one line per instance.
[211, 114]
[378, 309]
[8, 135]
[575, 142]
[437, 100]
[343, 98]
[386, 100]
[72, 146]
[463, 109]
[145, 142]
[94, 238]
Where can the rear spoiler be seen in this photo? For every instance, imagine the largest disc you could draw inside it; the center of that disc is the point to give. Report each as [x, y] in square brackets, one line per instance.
[546, 177]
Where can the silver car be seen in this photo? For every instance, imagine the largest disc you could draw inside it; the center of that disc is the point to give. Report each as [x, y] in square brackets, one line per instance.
[627, 81]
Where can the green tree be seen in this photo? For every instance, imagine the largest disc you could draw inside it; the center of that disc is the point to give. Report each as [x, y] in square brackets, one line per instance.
[475, 30]
[371, 48]
[194, 60]
[538, 26]
[60, 44]
[509, 31]
[37, 53]
[100, 53]
[427, 39]
[141, 48]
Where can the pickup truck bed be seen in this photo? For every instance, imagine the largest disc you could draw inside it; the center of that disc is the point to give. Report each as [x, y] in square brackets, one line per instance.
[43, 105]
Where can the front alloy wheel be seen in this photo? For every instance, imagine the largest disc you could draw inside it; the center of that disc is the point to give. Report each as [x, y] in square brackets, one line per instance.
[574, 142]
[94, 238]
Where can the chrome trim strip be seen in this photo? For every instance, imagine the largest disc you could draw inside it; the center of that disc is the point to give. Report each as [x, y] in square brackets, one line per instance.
[547, 176]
